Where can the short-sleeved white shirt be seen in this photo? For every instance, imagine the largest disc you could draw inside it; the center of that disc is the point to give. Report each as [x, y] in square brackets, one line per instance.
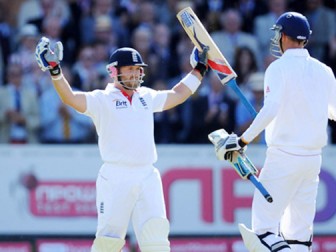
[300, 95]
[125, 130]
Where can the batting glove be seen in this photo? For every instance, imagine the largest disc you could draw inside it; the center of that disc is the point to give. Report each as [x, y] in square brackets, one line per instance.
[199, 61]
[48, 59]
[225, 144]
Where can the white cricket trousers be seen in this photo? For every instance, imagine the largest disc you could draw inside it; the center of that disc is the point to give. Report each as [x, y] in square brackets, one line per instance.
[292, 180]
[127, 193]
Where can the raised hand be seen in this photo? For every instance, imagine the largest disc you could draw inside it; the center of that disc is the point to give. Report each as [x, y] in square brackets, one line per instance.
[199, 60]
[48, 59]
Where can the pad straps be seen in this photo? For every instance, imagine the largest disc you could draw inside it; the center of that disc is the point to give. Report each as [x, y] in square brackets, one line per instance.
[305, 243]
[275, 247]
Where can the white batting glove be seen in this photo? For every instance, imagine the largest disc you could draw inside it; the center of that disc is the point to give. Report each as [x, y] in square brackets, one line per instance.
[48, 59]
[225, 144]
[199, 60]
[194, 57]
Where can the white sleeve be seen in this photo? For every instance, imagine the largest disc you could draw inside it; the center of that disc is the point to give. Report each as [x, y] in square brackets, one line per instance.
[159, 98]
[93, 106]
[274, 93]
[264, 117]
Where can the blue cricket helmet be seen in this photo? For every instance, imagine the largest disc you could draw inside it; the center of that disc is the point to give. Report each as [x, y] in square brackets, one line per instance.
[126, 56]
[294, 25]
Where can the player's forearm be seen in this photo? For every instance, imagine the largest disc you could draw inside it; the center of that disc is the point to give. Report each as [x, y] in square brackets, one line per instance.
[67, 95]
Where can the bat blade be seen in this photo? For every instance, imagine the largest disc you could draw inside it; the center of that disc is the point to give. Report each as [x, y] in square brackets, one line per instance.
[216, 60]
[201, 38]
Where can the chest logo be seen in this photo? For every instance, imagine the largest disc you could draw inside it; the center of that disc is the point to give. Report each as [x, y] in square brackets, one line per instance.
[143, 102]
[121, 104]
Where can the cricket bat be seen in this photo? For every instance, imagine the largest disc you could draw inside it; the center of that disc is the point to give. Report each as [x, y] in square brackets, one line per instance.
[217, 62]
[227, 76]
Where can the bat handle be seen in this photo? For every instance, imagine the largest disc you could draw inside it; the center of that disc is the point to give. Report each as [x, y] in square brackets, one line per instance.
[260, 187]
[233, 85]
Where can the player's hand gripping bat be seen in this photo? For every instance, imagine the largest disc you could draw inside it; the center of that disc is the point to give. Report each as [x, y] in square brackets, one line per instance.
[241, 163]
[217, 62]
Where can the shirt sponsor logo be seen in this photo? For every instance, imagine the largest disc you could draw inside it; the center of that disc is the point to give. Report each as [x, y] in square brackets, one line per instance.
[121, 104]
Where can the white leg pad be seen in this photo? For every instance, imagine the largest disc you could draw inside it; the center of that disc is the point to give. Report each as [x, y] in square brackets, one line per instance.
[107, 244]
[300, 248]
[154, 236]
[251, 240]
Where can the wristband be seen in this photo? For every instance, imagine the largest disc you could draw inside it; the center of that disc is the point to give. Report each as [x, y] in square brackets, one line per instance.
[55, 71]
[201, 68]
[242, 143]
[191, 81]
[57, 77]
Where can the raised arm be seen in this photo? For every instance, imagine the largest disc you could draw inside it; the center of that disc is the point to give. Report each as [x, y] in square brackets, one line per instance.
[188, 85]
[50, 60]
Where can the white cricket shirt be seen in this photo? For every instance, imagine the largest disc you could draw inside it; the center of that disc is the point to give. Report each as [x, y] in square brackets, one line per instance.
[300, 95]
[125, 130]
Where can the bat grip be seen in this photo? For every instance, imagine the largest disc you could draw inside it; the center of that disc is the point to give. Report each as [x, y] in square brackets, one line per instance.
[260, 187]
[233, 85]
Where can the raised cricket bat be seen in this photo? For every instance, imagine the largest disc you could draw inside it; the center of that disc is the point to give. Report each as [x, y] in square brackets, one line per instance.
[217, 62]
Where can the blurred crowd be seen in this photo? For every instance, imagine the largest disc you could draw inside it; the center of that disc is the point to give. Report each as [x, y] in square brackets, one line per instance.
[90, 30]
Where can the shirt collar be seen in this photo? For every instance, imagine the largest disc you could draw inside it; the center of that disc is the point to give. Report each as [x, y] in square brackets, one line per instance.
[297, 52]
[111, 88]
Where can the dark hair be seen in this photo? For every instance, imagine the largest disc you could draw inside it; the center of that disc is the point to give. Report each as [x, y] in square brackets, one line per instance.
[237, 62]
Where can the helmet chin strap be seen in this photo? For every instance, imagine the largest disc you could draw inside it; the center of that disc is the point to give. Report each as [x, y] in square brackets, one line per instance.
[280, 44]
[124, 85]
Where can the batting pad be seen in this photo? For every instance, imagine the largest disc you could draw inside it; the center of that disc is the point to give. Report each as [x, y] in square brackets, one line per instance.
[107, 244]
[251, 240]
[154, 236]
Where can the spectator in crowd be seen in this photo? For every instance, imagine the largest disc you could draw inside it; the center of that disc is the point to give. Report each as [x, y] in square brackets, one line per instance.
[104, 31]
[103, 16]
[324, 18]
[61, 124]
[6, 34]
[220, 107]
[249, 10]
[27, 39]
[34, 11]
[142, 39]
[19, 110]
[182, 64]
[101, 56]
[161, 47]
[255, 96]
[231, 36]
[166, 12]
[245, 65]
[86, 76]
[262, 25]
[146, 14]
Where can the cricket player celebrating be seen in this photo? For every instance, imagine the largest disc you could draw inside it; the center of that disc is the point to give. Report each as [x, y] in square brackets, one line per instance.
[128, 186]
[300, 96]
